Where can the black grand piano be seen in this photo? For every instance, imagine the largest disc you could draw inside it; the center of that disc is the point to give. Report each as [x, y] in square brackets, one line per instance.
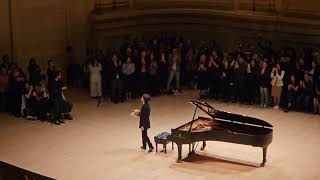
[222, 126]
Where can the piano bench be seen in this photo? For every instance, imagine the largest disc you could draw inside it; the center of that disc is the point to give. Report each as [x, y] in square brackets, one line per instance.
[163, 138]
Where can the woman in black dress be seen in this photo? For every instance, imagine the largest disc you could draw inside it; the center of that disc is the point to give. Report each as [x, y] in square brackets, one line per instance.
[116, 80]
[17, 89]
[293, 89]
[225, 80]
[252, 82]
[202, 77]
[214, 75]
[163, 72]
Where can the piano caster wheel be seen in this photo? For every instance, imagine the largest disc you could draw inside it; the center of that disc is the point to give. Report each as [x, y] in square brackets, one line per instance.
[262, 164]
[202, 149]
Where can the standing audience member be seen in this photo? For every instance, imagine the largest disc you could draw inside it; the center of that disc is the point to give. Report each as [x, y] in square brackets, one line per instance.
[190, 67]
[95, 69]
[315, 73]
[214, 75]
[316, 99]
[4, 83]
[293, 89]
[240, 78]
[277, 75]
[202, 77]
[264, 79]
[17, 89]
[174, 71]
[153, 76]
[163, 72]
[142, 73]
[50, 71]
[27, 103]
[6, 62]
[304, 99]
[128, 70]
[252, 82]
[225, 80]
[116, 80]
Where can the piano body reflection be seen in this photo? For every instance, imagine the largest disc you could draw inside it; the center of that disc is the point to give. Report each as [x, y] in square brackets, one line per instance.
[222, 126]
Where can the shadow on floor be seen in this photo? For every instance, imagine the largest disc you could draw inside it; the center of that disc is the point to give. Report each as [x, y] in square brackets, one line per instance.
[215, 164]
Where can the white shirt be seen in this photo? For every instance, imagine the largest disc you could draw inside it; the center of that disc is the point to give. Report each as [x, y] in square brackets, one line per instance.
[95, 72]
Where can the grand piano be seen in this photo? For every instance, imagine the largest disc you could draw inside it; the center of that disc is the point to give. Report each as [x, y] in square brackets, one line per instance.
[222, 126]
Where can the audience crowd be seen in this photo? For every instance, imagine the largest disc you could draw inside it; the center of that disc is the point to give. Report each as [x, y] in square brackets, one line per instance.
[255, 74]
[33, 95]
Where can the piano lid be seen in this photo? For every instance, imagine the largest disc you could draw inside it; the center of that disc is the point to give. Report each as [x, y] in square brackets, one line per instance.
[216, 114]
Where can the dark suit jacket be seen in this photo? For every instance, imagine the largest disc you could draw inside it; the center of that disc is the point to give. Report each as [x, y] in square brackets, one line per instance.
[144, 116]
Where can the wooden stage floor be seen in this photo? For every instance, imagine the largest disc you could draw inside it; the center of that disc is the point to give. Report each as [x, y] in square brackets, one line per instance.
[104, 143]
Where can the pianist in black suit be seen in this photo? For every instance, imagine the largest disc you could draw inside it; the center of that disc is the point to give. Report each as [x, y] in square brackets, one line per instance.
[144, 123]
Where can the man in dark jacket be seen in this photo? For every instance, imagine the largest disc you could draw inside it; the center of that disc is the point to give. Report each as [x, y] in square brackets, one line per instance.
[55, 91]
[60, 105]
[144, 123]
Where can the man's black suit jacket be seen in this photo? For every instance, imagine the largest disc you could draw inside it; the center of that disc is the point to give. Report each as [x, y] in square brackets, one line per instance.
[144, 116]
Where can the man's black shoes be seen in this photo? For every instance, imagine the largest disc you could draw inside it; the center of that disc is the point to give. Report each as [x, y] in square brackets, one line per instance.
[150, 149]
[68, 116]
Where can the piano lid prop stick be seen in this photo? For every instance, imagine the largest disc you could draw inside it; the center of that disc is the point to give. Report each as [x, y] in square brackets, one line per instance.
[194, 114]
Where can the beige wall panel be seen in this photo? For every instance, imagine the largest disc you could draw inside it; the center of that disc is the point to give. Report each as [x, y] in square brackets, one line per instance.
[39, 30]
[44, 28]
[4, 28]
[78, 26]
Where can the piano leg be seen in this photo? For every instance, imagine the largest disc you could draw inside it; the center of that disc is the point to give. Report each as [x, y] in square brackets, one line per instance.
[204, 144]
[264, 149]
[191, 151]
[179, 152]
[165, 148]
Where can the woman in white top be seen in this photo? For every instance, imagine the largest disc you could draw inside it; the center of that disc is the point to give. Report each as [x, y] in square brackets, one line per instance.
[276, 75]
[95, 78]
